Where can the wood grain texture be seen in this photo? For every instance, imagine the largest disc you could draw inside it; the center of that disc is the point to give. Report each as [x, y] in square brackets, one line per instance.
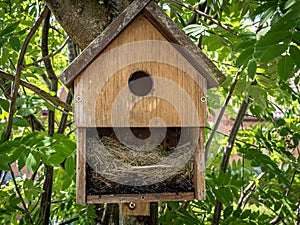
[107, 100]
[140, 209]
[199, 168]
[159, 197]
[81, 167]
[192, 53]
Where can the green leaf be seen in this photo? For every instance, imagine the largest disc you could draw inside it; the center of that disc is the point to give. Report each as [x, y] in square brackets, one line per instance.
[70, 166]
[248, 36]
[15, 43]
[244, 45]
[2, 41]
[296, 37]
[9, 28]
[293, 13]
[280, 122]
[194, 30]
[25, 111]
[273, 52]
[272, 38]
[252, 66]
[245, 214]
[4, 162]
[54, 159]
[228, 211]
[244, 57]
[4, 104]
[20, 122]
[295, 54]
[285, 67]
[30, 162]
[267, 15]
[284, 131]
[289, 3]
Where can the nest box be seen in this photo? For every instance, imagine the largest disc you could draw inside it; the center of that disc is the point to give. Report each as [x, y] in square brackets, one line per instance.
[139, 91]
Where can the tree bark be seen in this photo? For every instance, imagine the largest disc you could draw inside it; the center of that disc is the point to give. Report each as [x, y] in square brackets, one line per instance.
[83, 20]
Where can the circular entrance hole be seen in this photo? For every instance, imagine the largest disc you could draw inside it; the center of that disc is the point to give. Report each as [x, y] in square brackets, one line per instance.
[140, 83]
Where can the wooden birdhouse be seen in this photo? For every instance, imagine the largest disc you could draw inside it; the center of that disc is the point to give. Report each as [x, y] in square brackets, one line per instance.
[139, 91]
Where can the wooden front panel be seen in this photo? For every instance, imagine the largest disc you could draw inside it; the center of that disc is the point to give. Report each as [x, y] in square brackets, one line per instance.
[102, 96]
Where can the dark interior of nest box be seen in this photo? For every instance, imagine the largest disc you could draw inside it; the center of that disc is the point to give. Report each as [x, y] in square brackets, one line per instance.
[140, 160]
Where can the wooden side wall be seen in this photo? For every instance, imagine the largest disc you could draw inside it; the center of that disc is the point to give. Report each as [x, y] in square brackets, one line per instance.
[81, 166]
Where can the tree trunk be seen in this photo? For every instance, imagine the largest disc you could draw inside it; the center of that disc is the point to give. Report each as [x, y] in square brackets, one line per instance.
[84, 20]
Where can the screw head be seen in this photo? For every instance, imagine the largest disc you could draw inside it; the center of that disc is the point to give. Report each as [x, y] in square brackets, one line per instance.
[131, 205]
[203, 99]
[78, 98]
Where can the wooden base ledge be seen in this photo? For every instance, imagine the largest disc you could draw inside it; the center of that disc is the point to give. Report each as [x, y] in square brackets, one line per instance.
[159, 197]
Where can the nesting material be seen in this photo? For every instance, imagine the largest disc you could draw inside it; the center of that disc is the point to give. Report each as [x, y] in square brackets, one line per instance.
[115, 168]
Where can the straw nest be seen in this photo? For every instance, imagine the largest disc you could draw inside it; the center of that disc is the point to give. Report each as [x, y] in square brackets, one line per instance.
[113, 161]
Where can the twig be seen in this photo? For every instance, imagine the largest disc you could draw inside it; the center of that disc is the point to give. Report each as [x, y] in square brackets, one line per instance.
[206, 16]
[54, 100]
[20, 196]
[250, 188]
[221, 114]
[19, 70]
[50, 55]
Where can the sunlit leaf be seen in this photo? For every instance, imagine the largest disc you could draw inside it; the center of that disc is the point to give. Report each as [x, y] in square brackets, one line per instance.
[9, 28]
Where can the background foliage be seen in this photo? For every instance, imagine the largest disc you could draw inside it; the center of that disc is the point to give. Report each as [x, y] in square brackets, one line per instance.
[256, 45]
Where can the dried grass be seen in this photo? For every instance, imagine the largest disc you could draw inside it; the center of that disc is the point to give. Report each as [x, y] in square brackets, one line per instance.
[111, 160]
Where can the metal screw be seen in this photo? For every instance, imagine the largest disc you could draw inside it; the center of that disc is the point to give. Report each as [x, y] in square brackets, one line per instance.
[78, 98]
[131, 205]
[203, 99]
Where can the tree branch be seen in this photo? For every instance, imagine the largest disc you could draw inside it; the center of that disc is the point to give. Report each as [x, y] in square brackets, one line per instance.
[45, 52]
[54, 100]
[226, 155]
[35, 63]
[248, 191]
[220, 116]
[205, 16]
[20, 196]
[19, 70]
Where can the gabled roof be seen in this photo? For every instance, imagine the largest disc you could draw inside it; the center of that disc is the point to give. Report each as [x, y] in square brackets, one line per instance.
[167, 28]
